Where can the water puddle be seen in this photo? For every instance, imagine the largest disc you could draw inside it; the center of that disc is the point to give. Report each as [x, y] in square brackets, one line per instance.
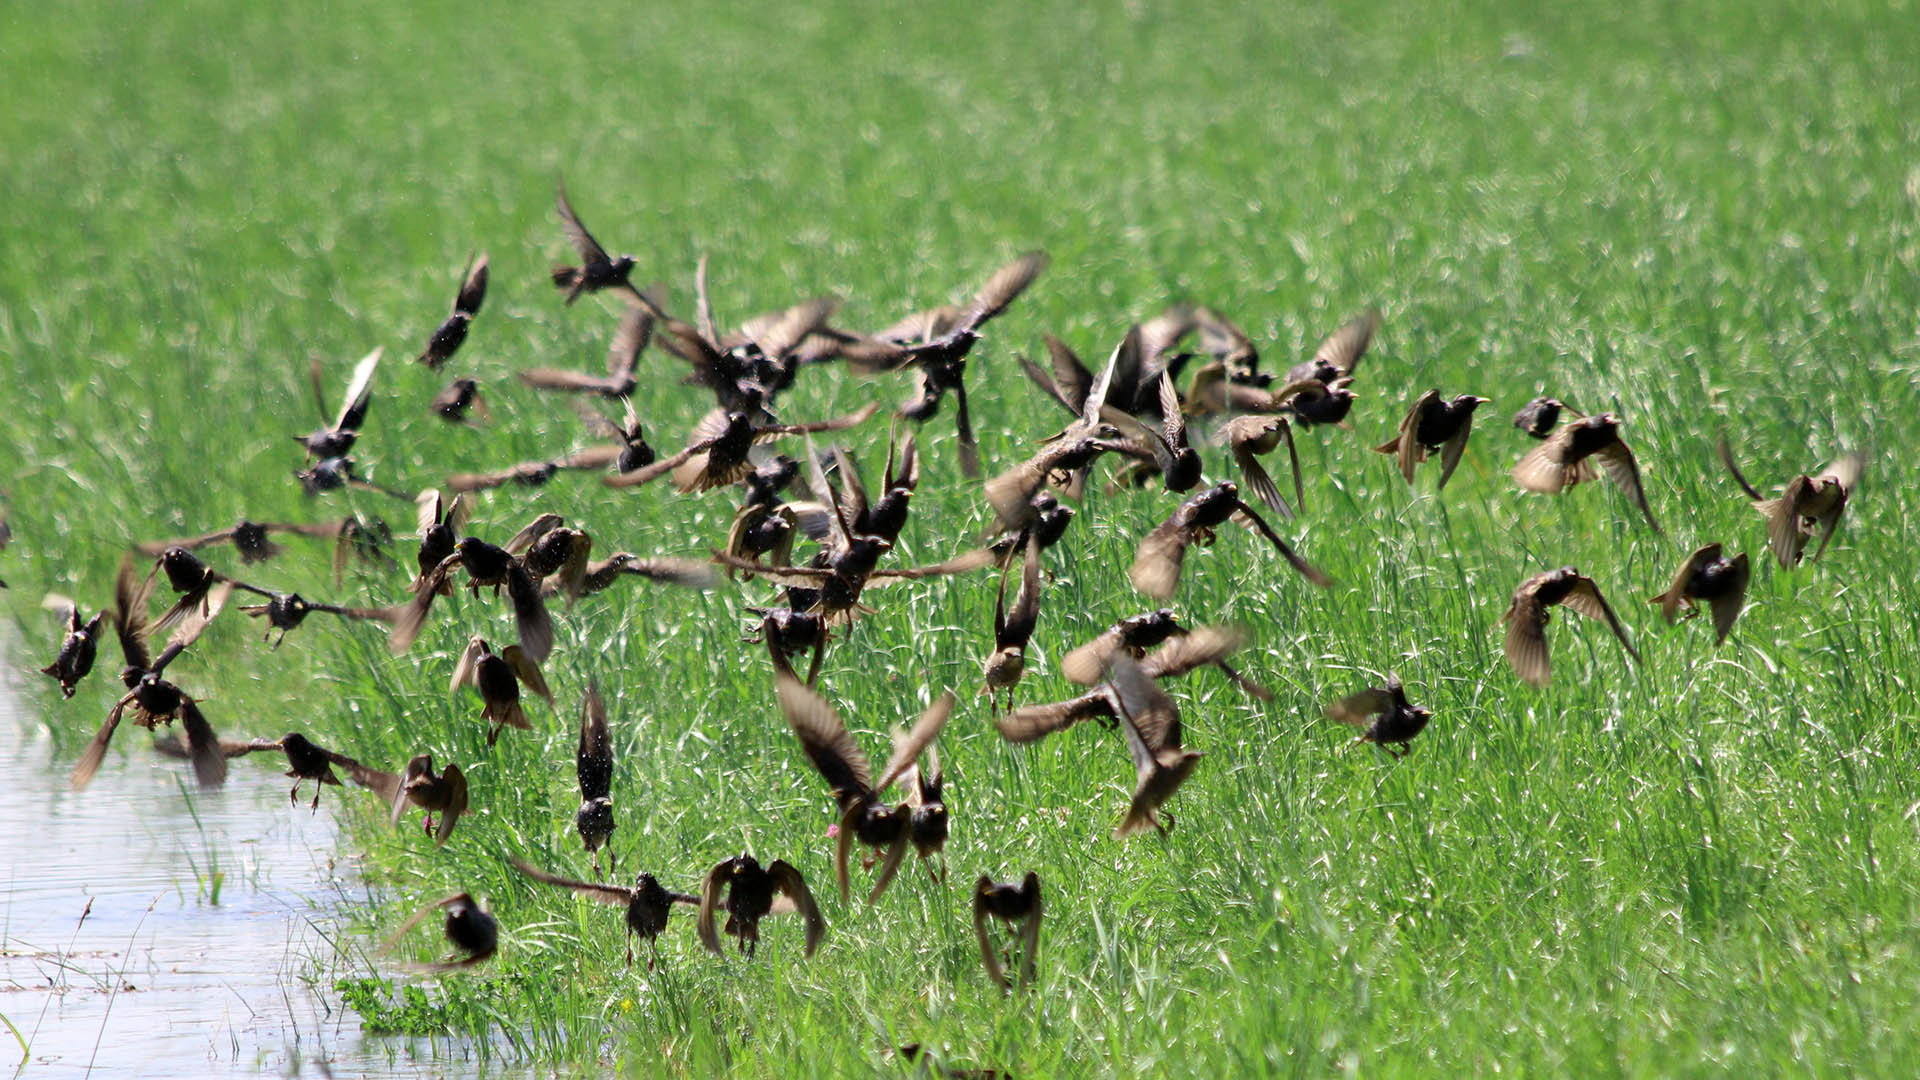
[150, 930]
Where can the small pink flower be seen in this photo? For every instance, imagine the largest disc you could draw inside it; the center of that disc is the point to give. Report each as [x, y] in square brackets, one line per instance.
[833, 831]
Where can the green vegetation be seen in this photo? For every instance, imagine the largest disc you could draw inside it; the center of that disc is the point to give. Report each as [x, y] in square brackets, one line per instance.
[1702, 218]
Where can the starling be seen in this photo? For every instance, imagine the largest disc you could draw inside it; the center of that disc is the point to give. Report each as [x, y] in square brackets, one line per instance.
[1199, 647]
[597, 271]
[1011, 494]
[78, 645]
[937, 342]
[750, 890]
[335, 473]
[1250, 436]
[841, 763]
[469, 928]
[286, 611]
[1708, 575]
[497, 678]
[1807, 503]
[1012, 630]
[151, 697]
[1020, 907]
[593, 765]
[603, 573]
[1527, 616]
[1340, 353]
[194, 581]
[1156, 566]
[1384, 715]
[305, 761]
[787, 634]
[629, 435]
[449, 335]
[1136, 634]
[647, 902]
[1540, 416]
[1561, 462]
[338, 437]
[249, 538]
[1150, 722]
[460, 395]
[716, 451]
[443, 793]
[1226, 343]
[535, 473]
[926, 795]
[623, 358]
[485, 565]
[1433, 425]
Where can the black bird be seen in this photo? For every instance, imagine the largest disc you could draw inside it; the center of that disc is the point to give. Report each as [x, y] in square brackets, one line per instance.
[1162, 449]
[745, 369]
[1340, 353]
[1807, 503]
[1156, 566]
[601, 574]
[485, 565]
[1259, 433]
[593, 765]
[1384, 713]
[152, 698]
[469, 928]
[448, 336]
[937, 342]
[1708, 575]
[305, 761]
[1047, 525]
[648, 904]
[1540, 416]
[536, 473]
[788, 633]
[497, 678]
[1011, 494]
[623, 358]
[1136, 634]
[716, 454]
[629, 435]
[193, 580]
[926, 795]
[1561, 462]
[1199, 647]
[440, 523]
[1527, 617]
[750, 890]
[1012, 630]
[78, 645]
[443, 793]
[841, 763]
[286, 611]
[335, 473]
[1150, 722]
[337, 438]
[1433, 425]
[1226, 343]
[250, 538]
[460, 395]
[597, 271]
[1021, 908]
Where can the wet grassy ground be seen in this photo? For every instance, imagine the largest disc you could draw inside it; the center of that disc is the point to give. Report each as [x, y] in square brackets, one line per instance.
[1700, 219]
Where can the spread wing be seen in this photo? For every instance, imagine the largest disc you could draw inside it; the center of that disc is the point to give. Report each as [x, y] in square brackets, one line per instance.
[1358, 710]
[1344, 347]
[793, 886]
[583, 242]
[908, 745]
[824, 739]
[1618, 463]
[611, 895]
[1526, 644]
[1029, 723]
[1585, 599]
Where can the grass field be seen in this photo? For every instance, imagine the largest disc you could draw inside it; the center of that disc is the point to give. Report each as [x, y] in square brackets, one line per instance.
[1703, 218]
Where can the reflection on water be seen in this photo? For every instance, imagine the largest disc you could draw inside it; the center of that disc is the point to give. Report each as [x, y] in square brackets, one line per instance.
[157, 979]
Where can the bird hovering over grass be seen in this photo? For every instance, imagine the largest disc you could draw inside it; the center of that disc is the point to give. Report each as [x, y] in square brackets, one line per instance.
[1383, 714]
[497, 677]
[443, 793]
[1527, 617]
[453, 403]
[1433, 425]
[597, 270]
[623, 357]
[1021, 907]
[1540, 416]
[452, 331]
[286, 611]
[249, 538]
[1150, 723]
[469, 928]
[1156, 565]
[1805, 504]
[1186, 651]
[338, 437]
[648, 904]
[716, 451]
[856, 792]
[305, 761]
[1708, 575]
[750, 895]
[593, 766]
[1561, 462]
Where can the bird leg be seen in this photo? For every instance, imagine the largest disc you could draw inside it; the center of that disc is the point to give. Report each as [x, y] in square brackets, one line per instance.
[426, 823]
[293, 797]
[630, 948]
[314, 807]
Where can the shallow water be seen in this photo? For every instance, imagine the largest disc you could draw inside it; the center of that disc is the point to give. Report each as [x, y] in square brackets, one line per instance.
[158, 979]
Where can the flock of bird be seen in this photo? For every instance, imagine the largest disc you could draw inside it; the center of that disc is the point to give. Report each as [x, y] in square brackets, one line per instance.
[1129, 409]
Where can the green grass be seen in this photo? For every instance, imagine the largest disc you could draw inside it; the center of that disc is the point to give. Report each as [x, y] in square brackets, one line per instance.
[1702, 217]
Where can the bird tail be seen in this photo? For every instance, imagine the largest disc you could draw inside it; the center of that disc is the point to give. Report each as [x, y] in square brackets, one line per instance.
[565, 277]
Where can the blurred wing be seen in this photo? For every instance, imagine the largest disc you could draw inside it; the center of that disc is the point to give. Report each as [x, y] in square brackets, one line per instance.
[1585, 599]
[824, 738]
[629, 341]
[1345, 346]
[789, 882]
[1004, 287]
[1526, 644]
[353, 409]
[583, 242]
[473, 291]
[1617, 462]
[907, 746]
[1156, 565]
[611, 895]
[1199, 647]
[1359, 709]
